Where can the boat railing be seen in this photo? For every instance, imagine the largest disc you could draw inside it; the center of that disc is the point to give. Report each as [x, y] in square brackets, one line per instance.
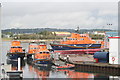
[15, 52]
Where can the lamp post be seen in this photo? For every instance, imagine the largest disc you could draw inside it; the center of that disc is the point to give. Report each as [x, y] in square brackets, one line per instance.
[109, 25]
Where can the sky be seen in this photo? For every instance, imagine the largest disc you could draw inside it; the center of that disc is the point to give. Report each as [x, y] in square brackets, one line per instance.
[64, 15]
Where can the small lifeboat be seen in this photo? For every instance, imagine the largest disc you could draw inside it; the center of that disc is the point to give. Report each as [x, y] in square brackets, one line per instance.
[15, 51]
[42, 55]
[33, 47]
[67, 66]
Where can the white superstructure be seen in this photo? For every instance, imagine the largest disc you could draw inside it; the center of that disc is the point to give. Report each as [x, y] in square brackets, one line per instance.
[114, 50]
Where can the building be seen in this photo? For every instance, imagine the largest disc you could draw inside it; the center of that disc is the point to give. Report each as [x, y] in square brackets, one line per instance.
[109, 34]
[114, 51]
[99, 32]
[61, 33]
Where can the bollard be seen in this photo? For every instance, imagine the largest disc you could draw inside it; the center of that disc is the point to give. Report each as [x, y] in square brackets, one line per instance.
[33, 57]
[19, 62]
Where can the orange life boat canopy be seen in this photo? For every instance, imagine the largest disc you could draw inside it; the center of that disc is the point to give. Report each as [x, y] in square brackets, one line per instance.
[42, 53]
[16, 43]
[80, 39]
[16, 47]
[33, 48]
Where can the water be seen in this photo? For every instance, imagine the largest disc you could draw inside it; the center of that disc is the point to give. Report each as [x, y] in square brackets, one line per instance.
[29, 71]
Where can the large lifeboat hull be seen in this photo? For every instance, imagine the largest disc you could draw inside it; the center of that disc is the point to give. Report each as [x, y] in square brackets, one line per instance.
[42, 61]
[74, 46]
[15, 56]
[78, 51]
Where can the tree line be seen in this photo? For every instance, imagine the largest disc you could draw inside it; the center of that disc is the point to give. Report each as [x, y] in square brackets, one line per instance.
[44, 35]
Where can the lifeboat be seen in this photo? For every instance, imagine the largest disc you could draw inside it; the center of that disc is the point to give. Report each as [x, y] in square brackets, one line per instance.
[33, 47]
[15, 51]
[42, 56]
[78, 43]
[67, 66]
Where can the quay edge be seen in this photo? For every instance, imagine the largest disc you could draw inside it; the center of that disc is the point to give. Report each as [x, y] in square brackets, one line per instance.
[104, 68]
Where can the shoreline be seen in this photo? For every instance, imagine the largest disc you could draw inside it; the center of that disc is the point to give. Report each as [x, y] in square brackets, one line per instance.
[28, 40]
[6, 39]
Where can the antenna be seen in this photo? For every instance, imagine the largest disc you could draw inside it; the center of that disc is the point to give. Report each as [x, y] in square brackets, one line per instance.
[78, 30]
[109, 25]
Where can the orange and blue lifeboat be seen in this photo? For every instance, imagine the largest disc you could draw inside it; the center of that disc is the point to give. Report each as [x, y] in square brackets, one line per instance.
[15, 51]
[78, 43]
[42, 55]
[33, 47]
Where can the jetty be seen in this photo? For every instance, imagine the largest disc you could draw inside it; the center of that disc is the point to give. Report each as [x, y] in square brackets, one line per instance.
[8, 73]
[106, 68]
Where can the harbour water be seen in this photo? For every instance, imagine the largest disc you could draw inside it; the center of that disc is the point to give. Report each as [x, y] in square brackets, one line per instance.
[29, 71]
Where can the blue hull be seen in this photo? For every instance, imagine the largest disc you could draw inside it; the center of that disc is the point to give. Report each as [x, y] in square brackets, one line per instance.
[42, 61]
[74, 46]
[15, 56]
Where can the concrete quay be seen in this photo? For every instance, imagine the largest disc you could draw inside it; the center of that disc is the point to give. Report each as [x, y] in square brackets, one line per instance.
[104, 68]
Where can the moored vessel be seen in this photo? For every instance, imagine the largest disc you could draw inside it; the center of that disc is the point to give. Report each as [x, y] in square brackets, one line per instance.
[42, 56]
[16, 51]
[79, 43]
[67, 66]
[33, 47]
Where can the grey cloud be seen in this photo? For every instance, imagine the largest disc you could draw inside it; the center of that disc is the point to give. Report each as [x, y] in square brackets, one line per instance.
[58, 14]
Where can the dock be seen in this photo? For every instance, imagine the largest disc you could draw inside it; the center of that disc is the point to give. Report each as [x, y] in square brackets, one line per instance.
[104, 68]
[7, 73]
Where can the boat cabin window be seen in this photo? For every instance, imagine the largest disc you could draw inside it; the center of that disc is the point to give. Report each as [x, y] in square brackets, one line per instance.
[47, 52]
[44, 52]
[40, 52]
[81, 39]
[74, 39]
[33, 48]
[83, 36]
[16, 47]
[69, 38]
[42, 46]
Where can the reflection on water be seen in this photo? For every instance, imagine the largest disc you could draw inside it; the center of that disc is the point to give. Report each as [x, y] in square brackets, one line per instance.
[15, 64]
[30, 71]
[40, 73]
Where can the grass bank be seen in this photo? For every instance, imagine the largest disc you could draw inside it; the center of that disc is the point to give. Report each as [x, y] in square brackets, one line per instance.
[6, 39]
